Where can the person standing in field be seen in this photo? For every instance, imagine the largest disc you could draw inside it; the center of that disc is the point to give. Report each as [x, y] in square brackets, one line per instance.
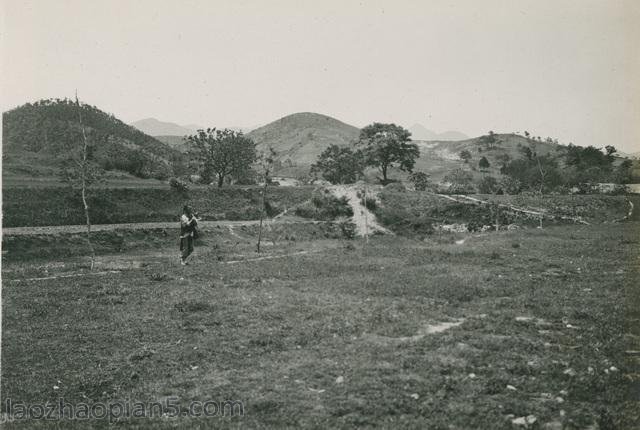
[188, 224]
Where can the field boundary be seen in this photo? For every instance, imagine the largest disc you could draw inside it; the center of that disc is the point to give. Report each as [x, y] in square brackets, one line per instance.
[473, 200]
[75, 229]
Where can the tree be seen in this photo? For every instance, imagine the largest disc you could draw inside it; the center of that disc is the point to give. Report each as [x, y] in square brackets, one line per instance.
[339, 165]
[420, 180]
[265, 161]
[222, 153]
[484, 163]
[538, 172]
[80, 172]
[526, 134]
[465, 155]
[387, 145]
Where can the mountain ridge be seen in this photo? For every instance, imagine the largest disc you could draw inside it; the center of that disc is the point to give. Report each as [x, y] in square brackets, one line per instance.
[420, 132]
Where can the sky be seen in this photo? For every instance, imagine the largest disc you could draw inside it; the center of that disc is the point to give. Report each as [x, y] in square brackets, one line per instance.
[567, 69]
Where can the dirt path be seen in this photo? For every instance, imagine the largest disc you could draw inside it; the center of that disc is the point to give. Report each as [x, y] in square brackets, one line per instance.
[59, 229]
[364, 220]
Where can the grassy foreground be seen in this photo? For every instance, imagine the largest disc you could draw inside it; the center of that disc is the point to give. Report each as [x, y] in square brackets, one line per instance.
[337, 334]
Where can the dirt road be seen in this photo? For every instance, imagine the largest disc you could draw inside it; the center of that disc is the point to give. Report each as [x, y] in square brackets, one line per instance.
[364, 220]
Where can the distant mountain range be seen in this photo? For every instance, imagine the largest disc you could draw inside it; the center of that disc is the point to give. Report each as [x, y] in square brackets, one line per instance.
[171, 130]
[154, 127]
[420, 132]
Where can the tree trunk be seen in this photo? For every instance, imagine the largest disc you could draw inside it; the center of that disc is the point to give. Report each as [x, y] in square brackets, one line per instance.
[84, 185]
[220, 181]
[264, 195]
[384, 173]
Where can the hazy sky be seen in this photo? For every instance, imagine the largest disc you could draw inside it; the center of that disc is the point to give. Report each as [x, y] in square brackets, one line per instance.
[565, 69]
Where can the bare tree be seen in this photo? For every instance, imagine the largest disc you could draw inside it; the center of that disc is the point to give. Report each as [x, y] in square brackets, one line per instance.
[266, 165]
[78, 171]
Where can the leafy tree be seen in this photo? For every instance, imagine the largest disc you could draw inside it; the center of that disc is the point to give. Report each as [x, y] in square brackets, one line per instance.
[540, 172]
[222, 153]
[589, 164]
[465, 155]
[339, 165]
[386, 145]
[484, 163]
[420, 180]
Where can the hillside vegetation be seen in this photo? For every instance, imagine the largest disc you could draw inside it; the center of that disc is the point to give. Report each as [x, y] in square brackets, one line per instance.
[37, 136]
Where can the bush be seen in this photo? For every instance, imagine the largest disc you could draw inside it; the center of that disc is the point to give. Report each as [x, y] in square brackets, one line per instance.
[178, 185]
[325, 207]
[420, 180]
[348, 229]
[510, 185]
[404, 222]
[370, 203]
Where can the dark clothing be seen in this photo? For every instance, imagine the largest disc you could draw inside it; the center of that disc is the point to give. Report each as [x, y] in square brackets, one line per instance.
[187, 229]
[186, 246]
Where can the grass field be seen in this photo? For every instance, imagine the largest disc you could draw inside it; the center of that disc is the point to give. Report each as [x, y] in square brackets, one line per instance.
[330, 333]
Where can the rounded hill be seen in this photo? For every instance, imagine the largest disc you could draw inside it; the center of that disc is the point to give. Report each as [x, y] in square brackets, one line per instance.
[300, 138]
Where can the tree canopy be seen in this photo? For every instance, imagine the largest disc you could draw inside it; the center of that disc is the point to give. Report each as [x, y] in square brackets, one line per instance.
[222, 153]
[387, 145]
[339, 165]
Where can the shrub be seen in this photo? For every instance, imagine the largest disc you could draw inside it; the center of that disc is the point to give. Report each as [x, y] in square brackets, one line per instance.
[370, 203]
[404, 222]
[510, 185]
[178, 185]
[325, 207]
[348, 229]
[420, 180]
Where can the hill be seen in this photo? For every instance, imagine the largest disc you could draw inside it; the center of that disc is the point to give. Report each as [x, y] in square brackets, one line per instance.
[154, 127]
[440, 157]
[420, 132]
[38, 136]
[300, 138]
[176, 142]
